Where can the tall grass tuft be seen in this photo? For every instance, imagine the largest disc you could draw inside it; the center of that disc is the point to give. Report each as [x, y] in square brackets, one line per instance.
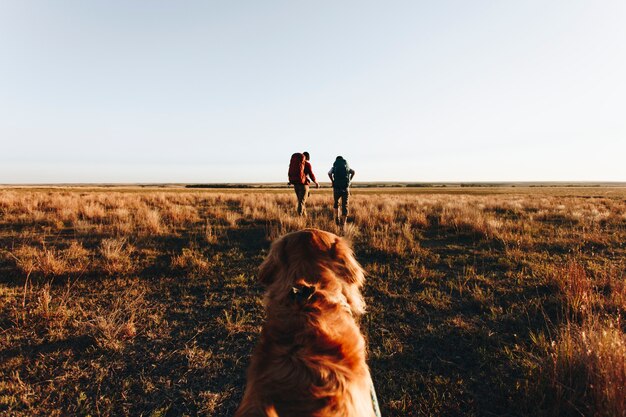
[586, 370]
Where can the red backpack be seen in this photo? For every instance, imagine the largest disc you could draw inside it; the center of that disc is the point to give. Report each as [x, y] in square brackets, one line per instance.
[296, 169]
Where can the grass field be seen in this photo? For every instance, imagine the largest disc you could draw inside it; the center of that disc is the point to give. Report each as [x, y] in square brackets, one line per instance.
[481, 302]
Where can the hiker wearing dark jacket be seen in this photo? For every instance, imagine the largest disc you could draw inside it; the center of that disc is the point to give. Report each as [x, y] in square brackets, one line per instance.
[341, 176]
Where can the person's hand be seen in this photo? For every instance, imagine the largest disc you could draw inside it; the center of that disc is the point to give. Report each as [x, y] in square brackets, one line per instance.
[317, 185]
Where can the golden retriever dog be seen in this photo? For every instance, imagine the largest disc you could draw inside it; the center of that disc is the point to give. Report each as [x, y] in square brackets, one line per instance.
[310, 360]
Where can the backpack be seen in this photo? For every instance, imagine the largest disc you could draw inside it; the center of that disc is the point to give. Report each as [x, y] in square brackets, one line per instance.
[341, 174]
[296, 169]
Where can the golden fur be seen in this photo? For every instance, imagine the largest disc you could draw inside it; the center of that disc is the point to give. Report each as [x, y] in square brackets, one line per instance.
[310, 360]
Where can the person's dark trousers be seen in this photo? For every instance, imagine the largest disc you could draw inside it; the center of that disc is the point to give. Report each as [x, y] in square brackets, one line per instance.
[343, 195]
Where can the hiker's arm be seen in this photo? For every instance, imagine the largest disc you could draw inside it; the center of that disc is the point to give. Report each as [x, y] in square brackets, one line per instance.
[351, 174]
[309, 172]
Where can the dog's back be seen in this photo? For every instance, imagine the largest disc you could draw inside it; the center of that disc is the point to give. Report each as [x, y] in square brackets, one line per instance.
[310, 360]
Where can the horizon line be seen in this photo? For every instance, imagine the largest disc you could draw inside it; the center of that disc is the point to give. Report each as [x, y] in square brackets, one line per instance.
[356, 184]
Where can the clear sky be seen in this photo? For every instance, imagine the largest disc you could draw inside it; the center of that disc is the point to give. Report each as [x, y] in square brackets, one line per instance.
[226, 91]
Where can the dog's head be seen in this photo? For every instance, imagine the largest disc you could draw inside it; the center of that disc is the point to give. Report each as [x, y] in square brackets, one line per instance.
[304, 264]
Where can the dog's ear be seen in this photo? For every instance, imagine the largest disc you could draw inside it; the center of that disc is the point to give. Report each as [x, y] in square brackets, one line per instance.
[273, 263]
[349, 268]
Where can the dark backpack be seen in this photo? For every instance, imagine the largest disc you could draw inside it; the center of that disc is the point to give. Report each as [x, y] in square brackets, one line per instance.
[341, 174]
[296, 169]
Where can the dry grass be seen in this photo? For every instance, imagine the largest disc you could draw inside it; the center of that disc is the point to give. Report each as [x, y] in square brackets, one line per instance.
[191, 260]
[116, 256]
[585, 372]
[144, 302]
[51, 261]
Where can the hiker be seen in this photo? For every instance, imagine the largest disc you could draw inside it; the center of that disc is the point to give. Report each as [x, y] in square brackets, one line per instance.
[340, 176]
[300, 175]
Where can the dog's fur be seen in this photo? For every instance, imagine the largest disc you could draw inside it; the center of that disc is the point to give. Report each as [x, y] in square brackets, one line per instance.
[310, 360]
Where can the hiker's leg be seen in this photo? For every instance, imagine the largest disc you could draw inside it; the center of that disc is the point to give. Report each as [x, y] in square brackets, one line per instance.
[344, 206]
[305, 195]
[295, 190]
[336, 197]
[299, 188]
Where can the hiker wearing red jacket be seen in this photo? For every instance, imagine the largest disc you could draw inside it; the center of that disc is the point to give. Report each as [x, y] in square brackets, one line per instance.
[300, 175]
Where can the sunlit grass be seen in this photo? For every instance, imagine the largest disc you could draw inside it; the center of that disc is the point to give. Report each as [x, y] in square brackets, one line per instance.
[480, 302]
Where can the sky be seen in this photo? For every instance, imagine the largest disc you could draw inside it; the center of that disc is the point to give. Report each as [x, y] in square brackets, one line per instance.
[225, 91]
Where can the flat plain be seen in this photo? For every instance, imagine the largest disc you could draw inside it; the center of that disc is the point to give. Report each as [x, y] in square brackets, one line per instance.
[481, 301]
